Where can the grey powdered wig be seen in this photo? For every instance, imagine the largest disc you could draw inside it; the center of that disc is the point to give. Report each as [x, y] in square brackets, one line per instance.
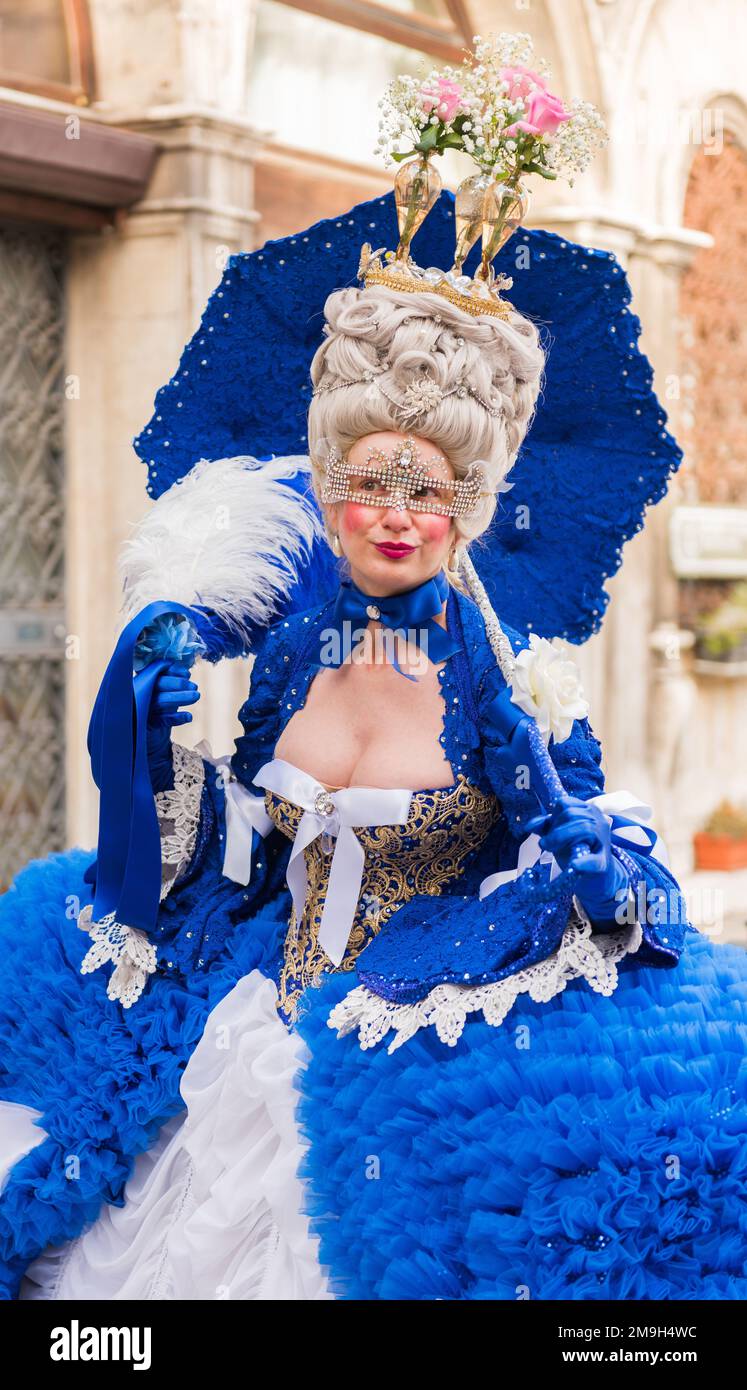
[401, 338]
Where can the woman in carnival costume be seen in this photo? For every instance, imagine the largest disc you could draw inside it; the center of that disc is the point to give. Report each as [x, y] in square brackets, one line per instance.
[402, 1002]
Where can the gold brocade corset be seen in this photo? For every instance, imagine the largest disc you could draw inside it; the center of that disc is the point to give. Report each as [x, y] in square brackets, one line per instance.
[422, 855]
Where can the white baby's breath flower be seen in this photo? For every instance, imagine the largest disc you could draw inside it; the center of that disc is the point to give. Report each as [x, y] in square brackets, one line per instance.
[471, 108]
[547, 686]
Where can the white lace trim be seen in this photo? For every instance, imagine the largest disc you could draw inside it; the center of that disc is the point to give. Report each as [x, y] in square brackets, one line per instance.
[579, 956]
[130, 949]
[179, 815]
[134, 956]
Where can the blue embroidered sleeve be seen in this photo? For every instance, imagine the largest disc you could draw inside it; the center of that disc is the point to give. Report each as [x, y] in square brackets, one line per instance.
[578, 759]
[257, 717]
[205, 904]
[656, 898]
[259, 713]
[464, 939]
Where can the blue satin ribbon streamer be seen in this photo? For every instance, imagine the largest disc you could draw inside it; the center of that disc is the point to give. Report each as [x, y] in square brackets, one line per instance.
[624, 842]
[413, 612]
[128, 863]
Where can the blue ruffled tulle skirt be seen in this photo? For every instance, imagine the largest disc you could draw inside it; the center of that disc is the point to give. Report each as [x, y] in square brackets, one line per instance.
[104, 1079]
[589, 1148]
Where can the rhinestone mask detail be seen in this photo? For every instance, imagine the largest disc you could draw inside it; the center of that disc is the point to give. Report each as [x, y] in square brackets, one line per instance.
[402, 478]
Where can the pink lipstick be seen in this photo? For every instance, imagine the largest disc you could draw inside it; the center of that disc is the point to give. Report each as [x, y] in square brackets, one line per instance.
[395, 552]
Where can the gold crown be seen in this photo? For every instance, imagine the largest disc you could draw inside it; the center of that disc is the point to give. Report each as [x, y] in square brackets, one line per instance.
[475, 296]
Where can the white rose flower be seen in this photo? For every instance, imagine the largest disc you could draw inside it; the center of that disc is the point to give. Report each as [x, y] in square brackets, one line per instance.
[547, 686]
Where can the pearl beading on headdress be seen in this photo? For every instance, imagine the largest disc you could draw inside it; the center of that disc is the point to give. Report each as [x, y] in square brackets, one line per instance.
[402, 472]
[421, 397]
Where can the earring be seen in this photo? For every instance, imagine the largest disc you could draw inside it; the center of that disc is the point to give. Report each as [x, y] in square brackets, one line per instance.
[453, 568]
[336, 547]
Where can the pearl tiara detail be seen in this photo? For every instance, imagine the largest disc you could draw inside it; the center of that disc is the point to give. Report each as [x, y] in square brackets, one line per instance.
[422, 396]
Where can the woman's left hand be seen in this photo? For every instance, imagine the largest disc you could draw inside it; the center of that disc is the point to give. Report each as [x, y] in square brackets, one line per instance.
[577, 834]
[580, 838]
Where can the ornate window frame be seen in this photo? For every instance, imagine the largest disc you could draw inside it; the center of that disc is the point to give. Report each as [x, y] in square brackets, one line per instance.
[81, 88]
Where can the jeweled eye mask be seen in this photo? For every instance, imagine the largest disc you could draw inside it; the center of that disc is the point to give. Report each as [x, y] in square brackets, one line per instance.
[402, 479]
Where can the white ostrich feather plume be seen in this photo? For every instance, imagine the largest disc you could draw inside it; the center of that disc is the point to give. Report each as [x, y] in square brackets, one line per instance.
[225, 536]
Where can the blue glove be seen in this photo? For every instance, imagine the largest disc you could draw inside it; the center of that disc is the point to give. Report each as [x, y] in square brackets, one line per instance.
[172, 689]
[579, 836]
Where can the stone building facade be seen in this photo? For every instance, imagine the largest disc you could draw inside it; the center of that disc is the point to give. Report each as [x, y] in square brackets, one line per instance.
[150, 140]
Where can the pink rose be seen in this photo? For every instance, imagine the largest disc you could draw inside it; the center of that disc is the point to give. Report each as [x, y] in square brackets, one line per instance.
[522, 81]
[544, 114]
[445, 98]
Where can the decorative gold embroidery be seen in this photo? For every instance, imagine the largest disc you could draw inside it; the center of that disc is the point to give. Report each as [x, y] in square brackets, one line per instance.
[421, 856]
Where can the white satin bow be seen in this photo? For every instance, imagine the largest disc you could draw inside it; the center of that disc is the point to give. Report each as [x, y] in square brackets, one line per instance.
[244, 813]
[334, 813]
[611, 803]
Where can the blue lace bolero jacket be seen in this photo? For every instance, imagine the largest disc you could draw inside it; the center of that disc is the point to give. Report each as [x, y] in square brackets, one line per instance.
[204, 910]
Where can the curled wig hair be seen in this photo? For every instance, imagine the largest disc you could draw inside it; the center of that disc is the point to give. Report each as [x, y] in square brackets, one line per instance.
[378, 342]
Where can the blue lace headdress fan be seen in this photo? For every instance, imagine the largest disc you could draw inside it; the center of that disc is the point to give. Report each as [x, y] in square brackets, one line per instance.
[236, 540]
[598, 446]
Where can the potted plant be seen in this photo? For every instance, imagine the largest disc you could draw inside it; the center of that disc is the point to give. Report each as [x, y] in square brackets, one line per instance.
[722, 843]
[722, 636]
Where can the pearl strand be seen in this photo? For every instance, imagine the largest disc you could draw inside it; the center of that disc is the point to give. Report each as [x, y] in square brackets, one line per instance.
[502, 649]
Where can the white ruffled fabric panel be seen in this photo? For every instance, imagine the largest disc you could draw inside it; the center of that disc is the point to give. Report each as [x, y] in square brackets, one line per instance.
[213, 1209]
[18, 1134]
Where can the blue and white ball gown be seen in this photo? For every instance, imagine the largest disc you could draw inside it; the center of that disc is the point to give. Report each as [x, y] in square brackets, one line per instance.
[581, 1134]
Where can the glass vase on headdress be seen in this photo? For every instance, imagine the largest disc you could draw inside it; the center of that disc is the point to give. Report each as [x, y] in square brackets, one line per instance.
[469, 216]
[505, 208]
[416, 188]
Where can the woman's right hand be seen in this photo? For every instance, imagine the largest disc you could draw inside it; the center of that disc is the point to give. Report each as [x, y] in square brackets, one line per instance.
[172, 689]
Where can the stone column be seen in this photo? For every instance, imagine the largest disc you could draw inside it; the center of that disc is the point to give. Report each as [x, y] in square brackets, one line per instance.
[134, 298]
